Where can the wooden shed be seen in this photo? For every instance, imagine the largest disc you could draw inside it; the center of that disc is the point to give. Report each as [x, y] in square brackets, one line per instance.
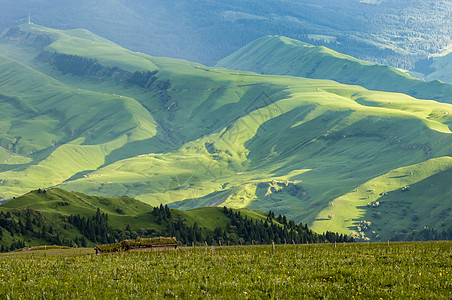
[140, 244]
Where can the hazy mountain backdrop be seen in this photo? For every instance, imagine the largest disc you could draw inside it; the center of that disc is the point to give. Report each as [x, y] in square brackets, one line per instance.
[394, 32]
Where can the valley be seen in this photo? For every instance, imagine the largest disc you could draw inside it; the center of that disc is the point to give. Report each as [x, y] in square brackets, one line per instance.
[242, 149]
[84, 114]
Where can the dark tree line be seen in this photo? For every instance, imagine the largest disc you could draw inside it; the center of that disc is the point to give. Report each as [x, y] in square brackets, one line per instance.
[239, 230]
[89, 67]
[95, 229]
[27, 223]
[268, 231]
[163, 213]
[426, 234]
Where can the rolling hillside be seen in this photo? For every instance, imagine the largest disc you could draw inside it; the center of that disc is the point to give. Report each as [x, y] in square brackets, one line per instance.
[278, 55]
[394, 32]
[87, 115]
[441, 68]
[56, 216]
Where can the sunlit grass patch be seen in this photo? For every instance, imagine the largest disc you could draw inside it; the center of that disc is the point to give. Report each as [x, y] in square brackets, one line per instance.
[397, 270]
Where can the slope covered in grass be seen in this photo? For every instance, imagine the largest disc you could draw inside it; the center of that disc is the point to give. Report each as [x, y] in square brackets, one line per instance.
[53, 131]
[122, 211]
[399, 194]
[441, 69]
[278, 55]
[60, 217]
[393, 32]
[175, 132]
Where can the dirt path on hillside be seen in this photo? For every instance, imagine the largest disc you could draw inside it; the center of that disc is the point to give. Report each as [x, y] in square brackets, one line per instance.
[200, 90]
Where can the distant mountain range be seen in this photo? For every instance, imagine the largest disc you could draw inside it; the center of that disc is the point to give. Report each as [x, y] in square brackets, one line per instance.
[393, 32]
[84, 114]
[440, 68]
[276, 55]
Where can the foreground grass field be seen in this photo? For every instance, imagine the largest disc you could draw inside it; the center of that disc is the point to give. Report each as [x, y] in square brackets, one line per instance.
[361, 271]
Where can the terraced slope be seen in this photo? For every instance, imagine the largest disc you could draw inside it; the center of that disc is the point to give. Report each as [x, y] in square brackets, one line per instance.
[111, 122]
[278, 55]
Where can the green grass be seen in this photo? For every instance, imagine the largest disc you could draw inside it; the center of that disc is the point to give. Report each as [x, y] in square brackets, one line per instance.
[278, 55]
[57, 204]
[366, 271]
[57, 131]
[76, 203]
[287, 144]
[442, 66]
[377, 201]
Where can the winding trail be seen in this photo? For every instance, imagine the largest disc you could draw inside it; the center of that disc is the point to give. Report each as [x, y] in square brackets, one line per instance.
[199, 90]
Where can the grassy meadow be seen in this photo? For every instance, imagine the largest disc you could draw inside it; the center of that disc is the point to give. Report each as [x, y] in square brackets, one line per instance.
[316, 271]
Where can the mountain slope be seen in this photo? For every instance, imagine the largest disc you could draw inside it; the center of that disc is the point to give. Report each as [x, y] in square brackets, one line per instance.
[47, 122]
[393, 32]
[122, 211]
[441, 69]
[170, 131]
[58, 216]
[277, 55]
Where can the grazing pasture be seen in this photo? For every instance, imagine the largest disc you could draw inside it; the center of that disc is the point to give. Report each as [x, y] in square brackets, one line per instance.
[342, 271]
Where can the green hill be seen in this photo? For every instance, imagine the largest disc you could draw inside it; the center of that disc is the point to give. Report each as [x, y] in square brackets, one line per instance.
[441, 68]
[56, 216]
[86, 115]
[392, 32]
[277, 55]
[122, 211]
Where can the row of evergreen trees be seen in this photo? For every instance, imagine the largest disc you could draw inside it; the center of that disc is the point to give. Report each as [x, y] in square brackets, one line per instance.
[95, 229]
[240, 230]
[30, 224]
[268, 231]
[27, 223]
[426, 234]
[89, 67]
[14, 245]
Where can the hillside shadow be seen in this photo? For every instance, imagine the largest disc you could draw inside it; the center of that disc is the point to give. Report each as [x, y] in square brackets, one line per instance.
[156, 144]
[78, 175]
[212, 199]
